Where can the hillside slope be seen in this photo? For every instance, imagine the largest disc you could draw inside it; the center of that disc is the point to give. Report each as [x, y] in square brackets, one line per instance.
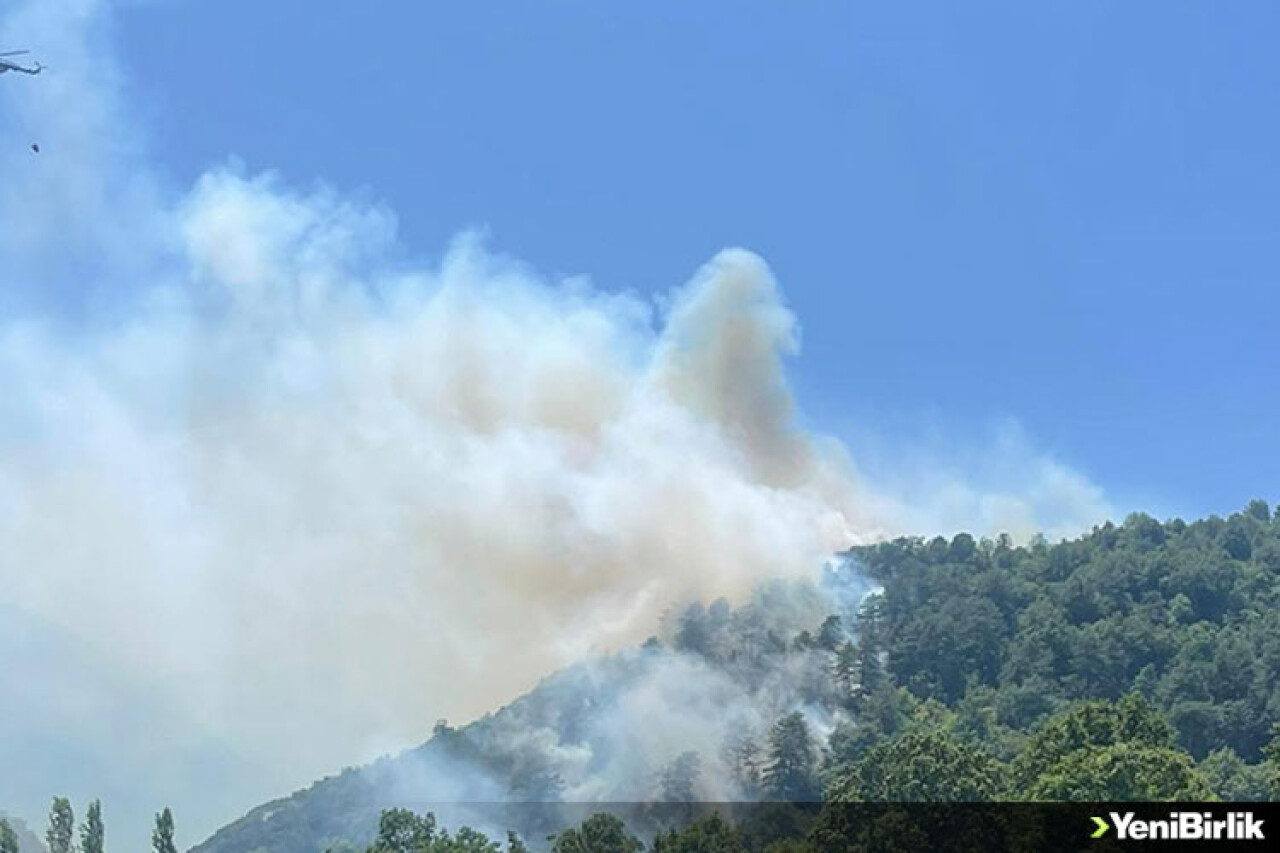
[28, 841]
[1168, 633]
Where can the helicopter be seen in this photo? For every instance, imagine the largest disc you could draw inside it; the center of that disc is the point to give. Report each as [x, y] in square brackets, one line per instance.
[7, 64]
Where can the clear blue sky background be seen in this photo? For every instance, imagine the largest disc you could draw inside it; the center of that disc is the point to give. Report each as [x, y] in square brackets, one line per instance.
[1064, 213]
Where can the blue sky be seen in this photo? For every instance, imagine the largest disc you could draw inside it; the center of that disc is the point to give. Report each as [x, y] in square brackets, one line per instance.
[1064, 213]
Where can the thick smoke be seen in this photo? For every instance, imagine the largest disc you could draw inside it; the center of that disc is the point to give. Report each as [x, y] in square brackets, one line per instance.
[350, 498]
[311, 497]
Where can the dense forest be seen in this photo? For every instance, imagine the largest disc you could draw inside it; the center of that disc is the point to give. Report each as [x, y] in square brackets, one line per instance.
[1003, 646]
[1137, 662]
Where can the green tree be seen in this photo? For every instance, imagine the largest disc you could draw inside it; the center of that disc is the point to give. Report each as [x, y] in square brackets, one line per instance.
[61, 835]
[678, 782]
[1234, 780]
[1122, 772]
[92, 832]
[741, 753]
[467, 840]
[1259, 510]
[8, 837]
[708, 834]
[831, 633]
[840, 830]
[600, 833]
[1121, 751]
[1086, 726]
[402, 831]
[162, 835]
[920, 766]
[858, 671]
[791, 770]
[963, 548]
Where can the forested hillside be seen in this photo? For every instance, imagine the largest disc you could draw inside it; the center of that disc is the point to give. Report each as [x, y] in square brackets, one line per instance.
[1183, 614]
[1138, 662]
[16, 837]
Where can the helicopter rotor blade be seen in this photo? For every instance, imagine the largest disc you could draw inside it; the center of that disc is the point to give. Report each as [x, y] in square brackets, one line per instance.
[15, 53]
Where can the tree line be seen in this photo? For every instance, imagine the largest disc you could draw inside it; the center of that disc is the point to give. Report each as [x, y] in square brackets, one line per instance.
[62, 837]
[979, 650]
[1139, 662]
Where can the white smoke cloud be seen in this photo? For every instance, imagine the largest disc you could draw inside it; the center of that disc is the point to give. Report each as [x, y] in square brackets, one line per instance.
[315, 499]
[317, 475]
[998, 483]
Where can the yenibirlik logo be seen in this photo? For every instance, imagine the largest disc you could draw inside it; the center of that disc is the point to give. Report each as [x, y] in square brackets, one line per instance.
[1183, 826]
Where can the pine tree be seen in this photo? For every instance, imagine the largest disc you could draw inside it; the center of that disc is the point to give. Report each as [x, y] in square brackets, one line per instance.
[680, 779]
[831, 633]
[870, 672]
[858, 670]
[867, 671]
[790, 772]
[742, 753]
[92, 832]
[162, 835]
[845, 669]
[62, 824]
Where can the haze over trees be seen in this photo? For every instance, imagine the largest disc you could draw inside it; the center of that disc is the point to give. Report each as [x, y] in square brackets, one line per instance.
[16, 837]
[1138, 662]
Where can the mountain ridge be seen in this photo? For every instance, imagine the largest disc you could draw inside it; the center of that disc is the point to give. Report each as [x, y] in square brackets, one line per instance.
[975, 645]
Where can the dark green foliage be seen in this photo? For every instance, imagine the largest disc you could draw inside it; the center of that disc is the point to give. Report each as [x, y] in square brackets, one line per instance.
[92, 832]
[831, 634]
[162, 835]
[402, 831]
[920, 766]
[791, 773]
[1139, 661]
[467, 840]
[1087, 726]
[1121, 751]
[600, 833]
[858, 669]
[1233, 780]
[1122, 772]
[710, 834]
[61, 833]
[1188, 614]
[8, 837]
